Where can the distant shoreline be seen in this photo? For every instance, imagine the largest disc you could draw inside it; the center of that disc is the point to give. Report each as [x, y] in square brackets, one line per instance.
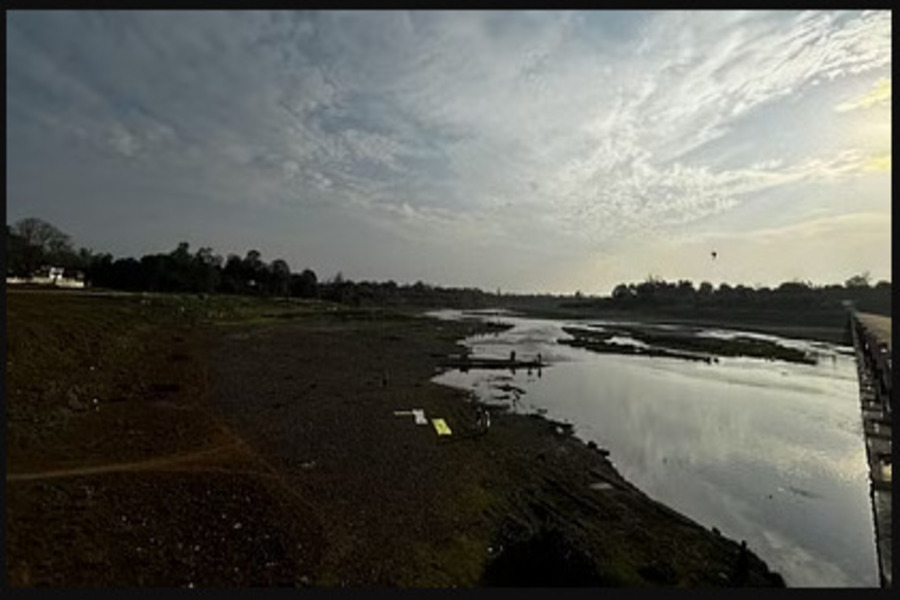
[830, 326]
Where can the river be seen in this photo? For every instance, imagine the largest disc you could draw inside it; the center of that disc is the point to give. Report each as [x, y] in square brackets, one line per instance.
[766, 451]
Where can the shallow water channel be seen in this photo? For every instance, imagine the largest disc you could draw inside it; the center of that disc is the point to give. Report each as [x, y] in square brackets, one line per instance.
[766, 451]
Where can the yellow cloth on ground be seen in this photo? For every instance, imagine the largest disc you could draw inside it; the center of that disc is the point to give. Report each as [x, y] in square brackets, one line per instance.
[440, 426]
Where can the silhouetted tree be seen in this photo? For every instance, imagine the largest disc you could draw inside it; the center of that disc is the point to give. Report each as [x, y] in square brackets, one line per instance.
[280, 280]
[622, 294]
[207, 269]
[16, 261]
[231, 281]
[253, 271]
[858, 281]
[38, 242]
[304, 285]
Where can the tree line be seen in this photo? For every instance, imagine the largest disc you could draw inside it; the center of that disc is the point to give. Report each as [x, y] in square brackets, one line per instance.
[791, 295]
[32, 244]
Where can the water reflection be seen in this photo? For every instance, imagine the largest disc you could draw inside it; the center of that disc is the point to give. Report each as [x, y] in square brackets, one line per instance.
[767, 451]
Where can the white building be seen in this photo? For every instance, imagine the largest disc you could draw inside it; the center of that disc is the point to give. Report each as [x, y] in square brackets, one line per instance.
[54, 276]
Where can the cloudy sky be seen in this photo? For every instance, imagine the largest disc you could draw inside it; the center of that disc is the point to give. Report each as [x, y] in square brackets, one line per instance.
[542, 151]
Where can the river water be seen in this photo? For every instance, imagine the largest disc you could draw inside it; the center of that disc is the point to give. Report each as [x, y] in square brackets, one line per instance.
[767, 451]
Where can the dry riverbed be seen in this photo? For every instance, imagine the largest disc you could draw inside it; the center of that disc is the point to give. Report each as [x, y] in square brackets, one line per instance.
[238, 442]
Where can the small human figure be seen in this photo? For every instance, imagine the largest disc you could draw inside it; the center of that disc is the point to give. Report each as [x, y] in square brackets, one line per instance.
[741, 568]
[483, 421]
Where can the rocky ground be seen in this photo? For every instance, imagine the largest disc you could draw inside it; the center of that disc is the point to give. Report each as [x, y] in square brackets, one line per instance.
[235, 443]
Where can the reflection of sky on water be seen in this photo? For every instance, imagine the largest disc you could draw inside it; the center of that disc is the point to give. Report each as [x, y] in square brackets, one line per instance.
[767, 451]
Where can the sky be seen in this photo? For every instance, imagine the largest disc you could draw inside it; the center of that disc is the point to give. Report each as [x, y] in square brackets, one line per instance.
[527, 151]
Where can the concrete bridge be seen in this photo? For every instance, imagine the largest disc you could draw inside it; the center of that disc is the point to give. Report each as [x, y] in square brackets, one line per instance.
[872, 341]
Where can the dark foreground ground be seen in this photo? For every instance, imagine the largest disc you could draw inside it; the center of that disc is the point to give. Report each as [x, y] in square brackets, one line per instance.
[166, 441]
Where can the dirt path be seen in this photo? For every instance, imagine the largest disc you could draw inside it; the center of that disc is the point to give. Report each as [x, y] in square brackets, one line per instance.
[159, 463]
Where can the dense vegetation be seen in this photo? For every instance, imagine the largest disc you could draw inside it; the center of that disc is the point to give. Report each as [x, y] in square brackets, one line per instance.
[791, 296]
[32, 243]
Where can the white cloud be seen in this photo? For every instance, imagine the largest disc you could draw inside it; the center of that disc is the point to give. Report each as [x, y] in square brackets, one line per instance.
[698, 75]
[823, 249]
[524, 130]
[879, 95]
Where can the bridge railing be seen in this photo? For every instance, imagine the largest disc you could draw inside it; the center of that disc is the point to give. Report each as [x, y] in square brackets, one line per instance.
[878, 362]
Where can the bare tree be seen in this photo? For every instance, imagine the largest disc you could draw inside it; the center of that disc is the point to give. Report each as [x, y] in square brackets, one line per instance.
[41, 242]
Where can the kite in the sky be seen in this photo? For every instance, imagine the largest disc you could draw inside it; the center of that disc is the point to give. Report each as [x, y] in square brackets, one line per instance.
[714, 254]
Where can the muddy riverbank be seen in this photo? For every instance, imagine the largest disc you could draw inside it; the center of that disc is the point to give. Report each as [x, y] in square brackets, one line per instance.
[276, 459]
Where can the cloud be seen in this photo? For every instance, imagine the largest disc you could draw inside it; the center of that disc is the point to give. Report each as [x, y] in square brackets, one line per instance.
[879, 163]
[879, 95]
[641, 197]
[814, 228]
[545, 134]
[803, 249]
[640, 171]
